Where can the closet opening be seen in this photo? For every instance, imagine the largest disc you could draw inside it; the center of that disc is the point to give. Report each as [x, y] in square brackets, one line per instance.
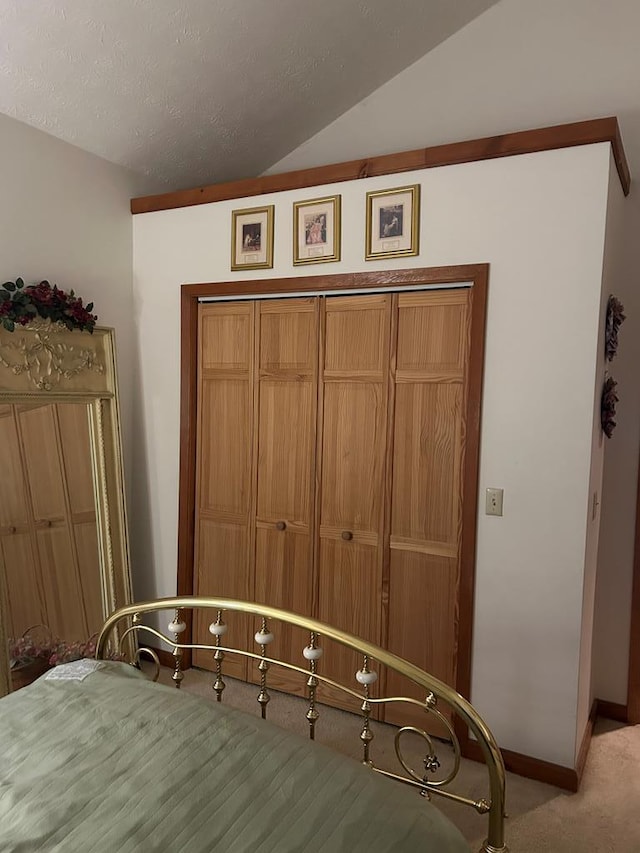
[330, 433]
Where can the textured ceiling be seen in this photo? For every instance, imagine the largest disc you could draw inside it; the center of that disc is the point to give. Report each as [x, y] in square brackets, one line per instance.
[200, 91]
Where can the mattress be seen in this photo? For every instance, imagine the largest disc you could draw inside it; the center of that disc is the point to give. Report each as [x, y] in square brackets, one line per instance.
[117, 763]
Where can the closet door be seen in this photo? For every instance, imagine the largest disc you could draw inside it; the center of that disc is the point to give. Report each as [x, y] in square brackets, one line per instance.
[286, 376]
[224, 494]
[427, 485]
[352, 452]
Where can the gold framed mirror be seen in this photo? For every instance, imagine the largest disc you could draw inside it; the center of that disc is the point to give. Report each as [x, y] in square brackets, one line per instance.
[64, 554]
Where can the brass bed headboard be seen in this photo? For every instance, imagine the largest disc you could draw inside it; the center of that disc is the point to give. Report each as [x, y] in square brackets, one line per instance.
[435, 691]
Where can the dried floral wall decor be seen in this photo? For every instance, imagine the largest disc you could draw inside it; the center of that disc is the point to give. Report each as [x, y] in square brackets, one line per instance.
[608, 406]
[20, 305]
[615, 318]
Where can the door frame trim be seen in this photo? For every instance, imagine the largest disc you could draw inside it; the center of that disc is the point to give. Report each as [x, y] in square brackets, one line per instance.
[477, 275]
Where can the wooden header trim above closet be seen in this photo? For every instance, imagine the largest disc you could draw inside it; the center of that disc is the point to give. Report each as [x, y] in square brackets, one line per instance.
[489, 148]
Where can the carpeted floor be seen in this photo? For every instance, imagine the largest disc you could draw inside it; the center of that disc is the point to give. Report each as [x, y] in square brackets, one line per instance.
[604, 816]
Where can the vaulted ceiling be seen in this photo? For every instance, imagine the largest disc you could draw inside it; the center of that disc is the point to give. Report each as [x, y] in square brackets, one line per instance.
[200, 91]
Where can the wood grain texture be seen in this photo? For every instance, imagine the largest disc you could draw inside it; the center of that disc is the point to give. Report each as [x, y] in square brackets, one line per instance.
[427, 485]
[49, 532]
[221, 570]
[43, 466]
[314, 283]
[350, 591]
[353, 474]
[487, 148]
[284, 579]
[13, 499]
[286, 382]
[224, 475]
[25, 596]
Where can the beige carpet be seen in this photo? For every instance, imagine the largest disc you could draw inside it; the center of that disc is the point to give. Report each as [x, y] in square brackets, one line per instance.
[604, 816]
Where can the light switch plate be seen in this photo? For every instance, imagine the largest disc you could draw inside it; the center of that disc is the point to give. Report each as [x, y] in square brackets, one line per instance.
[494, 502]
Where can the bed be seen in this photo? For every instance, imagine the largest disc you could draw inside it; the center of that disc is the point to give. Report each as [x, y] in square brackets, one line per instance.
[100, 758]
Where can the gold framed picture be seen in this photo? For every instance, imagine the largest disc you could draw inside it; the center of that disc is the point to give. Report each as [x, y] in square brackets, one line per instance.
[393, 223]
[252, 238]
[316, 230]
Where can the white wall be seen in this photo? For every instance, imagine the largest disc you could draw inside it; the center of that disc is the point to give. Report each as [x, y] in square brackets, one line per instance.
[539, 220]
[616, 547]
[586, 684]
[64, 216]
[521, 65]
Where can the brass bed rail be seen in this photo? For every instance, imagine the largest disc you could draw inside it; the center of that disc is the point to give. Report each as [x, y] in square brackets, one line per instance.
[435, 691]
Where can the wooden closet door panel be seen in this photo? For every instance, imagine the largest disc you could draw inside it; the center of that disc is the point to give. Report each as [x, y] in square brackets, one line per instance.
[356, 336]
[26, 605]
[283, 579]
[86, 540]
[287, 365]
[426, 497]
[288, 335]
[352, 455]
[427, 484]
[13, 501]
[42, 461]
[62, 592]
[75, 442]
[223, 483]
[222, 572]
[422, 615]
[350, 593]
[225, 459]
[286, 451]
[73, 419]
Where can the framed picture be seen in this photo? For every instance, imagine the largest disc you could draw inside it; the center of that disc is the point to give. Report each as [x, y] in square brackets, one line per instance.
[316, 230]
[393, 220]
[252, 238]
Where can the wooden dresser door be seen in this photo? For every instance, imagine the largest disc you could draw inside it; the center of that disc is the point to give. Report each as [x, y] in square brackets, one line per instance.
[75, 444]
[224, 493]
[427, 498]
[287, 379]
[26, 604]
[352, 452]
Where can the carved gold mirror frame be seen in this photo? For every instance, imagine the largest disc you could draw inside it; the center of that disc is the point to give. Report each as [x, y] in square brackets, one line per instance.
[46, 362]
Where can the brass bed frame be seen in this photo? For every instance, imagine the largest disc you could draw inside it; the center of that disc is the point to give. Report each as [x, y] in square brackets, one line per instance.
[435, 691]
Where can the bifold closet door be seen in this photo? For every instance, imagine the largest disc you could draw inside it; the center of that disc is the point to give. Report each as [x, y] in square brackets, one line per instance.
[224, 492]
[285, 424]
[351, 459]
[431, 371]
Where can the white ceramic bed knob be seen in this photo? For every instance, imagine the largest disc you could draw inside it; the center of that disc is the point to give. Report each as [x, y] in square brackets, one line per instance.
[218, 629]
[363, 677]
[264, 638]
[311, 653]
[177, 627]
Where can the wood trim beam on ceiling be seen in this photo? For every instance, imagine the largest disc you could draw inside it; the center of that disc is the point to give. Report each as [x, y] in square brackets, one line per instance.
[489, 148]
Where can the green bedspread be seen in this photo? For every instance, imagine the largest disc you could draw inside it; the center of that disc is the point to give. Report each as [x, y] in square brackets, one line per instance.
[115, 764]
